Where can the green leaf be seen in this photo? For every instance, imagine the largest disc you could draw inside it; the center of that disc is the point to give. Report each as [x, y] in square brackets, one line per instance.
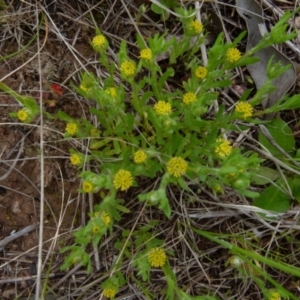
[164, 77]
[122, 55]
[63, 116]
[282, 135]
[264, 176]
[219, 84]
[140, 41]
[164, 205]
[141, 262]
[24, 100]
[273, 199]
[286, 103]
[170, 289]
[145, 97]
[246, 61]
[295, 187]
[239, 38]
[99, 144]
[122, 209]
[157, 9]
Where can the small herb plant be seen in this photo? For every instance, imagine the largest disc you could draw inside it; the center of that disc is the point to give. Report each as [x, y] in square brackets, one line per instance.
[169, 135]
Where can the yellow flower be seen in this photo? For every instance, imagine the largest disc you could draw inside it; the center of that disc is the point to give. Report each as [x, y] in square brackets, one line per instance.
[244, 108]
[22, 115]
[75, 159]
[233, 54]
[146, 54]
[218, 188]
[87, 186]
[177, 166]
[99, 42]
[139, 156]
[196, 26]
[157, 257]
[128, 68]
[71, 128]
[189, 98]
[224, 148]
[123, 180]
[94, 132]
[95, 229]
[111, 91]
[162, 108]
[106, 218]
[109, 292]
[83, 88]
[274, 296]
[201, 72]
[75, 260]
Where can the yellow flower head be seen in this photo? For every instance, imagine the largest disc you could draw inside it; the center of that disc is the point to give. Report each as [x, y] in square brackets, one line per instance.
[224, 148]
[162, 108]
[233, 54]
[189, 98]
[201, 72]
[83, 88]
[22, 115]
[123, 180]
[109, 292]
[75, 260]
[94, 132]
[146, 54]
[111, 91]
[128, 68]
[274, 296]
[99, 42]
[71, 128]
[106, 218]
[75, 159]
[87, 186]
[157, 257]
[195, 26]
[95, 229]
[218, 188]
[139, 156]
[245, 109]
[177, 166]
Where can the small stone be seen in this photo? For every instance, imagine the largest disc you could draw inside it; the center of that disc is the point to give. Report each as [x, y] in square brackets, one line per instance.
[15, 208]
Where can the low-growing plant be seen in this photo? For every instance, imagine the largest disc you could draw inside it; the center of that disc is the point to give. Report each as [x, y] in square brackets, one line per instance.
[169, 135]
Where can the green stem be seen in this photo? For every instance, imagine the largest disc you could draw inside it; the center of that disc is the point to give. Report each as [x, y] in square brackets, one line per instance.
[289, 269]
[154, 85]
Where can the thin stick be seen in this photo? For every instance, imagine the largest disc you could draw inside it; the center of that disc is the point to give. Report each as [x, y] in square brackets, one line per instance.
[42, 168]
[16, 235]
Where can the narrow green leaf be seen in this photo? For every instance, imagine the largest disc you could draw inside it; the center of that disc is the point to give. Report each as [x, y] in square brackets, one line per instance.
[169, 73]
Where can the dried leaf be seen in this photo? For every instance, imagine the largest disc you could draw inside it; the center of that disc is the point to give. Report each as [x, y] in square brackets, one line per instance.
[57, 89]
[252, 13]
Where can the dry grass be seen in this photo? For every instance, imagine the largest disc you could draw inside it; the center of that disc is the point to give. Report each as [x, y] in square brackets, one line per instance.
[199, 264]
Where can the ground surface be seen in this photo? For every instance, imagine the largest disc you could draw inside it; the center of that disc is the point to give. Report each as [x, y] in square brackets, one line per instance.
[64, 51]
